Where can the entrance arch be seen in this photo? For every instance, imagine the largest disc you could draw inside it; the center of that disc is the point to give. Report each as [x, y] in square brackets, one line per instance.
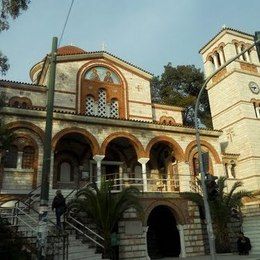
[163, 239]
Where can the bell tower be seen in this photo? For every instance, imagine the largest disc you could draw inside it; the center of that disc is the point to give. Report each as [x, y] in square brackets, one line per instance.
[234, 95]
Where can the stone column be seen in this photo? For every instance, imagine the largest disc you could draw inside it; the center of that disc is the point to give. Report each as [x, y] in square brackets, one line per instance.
[98, 158]
[19, 160]
[215, 61]
[239, 48]
[182, 241]
[247, 57]
[184, 176]
[143, 162]
[221, 55]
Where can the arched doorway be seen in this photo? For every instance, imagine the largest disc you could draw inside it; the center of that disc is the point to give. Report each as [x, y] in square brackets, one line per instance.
[120, 161]
[72, 157]
[163, 238]
[163, 167]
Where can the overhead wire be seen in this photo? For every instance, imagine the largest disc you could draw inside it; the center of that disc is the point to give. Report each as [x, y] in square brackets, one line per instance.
[65, 24]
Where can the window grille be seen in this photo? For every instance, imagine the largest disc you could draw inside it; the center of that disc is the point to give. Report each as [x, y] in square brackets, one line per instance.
[114, 108]
[28, 157]
[102, 102]
[89, 105]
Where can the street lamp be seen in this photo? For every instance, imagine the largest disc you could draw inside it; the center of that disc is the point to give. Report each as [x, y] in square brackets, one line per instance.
[202, 170]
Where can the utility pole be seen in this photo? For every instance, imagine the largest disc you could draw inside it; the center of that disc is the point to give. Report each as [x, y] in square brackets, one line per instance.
[44, 198]
[202, 170]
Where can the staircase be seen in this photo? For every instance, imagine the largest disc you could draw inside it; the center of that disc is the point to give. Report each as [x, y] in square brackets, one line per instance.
[76, 242]
[251, 226]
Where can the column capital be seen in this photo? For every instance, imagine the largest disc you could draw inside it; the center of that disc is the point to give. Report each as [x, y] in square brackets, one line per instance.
[143, 160]
[98, 157]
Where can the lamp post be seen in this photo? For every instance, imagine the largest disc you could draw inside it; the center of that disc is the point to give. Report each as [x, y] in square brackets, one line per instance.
[202, 170]
[44, 196]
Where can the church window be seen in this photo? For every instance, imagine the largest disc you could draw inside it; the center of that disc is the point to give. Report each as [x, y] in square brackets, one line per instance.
[16, 104]
[212, 64]
[114, 108]
[89, 105]
[11, 157]
[24, 105]
[102, 102]
[196, 168]
[28, 157]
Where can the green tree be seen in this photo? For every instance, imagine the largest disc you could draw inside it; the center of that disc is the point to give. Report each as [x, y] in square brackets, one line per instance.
[180, 86]
[10, 9]
[105, 208]
[222, 209]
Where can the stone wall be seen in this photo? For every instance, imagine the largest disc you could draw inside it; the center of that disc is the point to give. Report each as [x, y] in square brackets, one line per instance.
[193, 236]
[132, 237]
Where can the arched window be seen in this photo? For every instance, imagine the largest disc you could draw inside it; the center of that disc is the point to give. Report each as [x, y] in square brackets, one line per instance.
[196, 167]
[65, 174]
[89, 105]
[11, 157]
[107, 89]
[24, 105]
[16, 104]
[102, 97]
[28, 157]
[218, 59]
[114, 108]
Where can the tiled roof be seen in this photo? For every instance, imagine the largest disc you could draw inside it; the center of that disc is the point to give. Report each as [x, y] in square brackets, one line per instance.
[5, 82]
[222, 30]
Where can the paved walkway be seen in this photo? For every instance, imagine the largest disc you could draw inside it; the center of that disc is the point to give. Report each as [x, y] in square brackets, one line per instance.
[219, 257]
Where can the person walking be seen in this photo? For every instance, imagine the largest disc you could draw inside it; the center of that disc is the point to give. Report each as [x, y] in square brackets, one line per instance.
[59, 205]
[243, 244]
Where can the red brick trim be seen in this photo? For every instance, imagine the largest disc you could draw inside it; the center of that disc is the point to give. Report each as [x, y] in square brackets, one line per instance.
[193, 145]
[89, 137]
[133, 140]
[179, 154]
[23, 124]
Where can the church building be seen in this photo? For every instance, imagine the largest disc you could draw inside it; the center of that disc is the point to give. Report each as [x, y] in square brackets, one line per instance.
[106, 125]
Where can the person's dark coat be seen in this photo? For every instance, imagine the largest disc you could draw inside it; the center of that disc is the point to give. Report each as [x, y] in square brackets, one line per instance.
[59, 203]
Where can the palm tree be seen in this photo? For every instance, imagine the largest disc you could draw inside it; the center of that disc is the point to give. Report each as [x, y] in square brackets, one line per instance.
[222, 209]
[105, 208]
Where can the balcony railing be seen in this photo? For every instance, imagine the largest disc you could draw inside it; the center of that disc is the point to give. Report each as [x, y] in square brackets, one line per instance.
[174, 184]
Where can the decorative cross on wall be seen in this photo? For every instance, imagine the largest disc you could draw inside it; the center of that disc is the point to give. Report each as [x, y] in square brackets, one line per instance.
[139, 88]
[230, 134]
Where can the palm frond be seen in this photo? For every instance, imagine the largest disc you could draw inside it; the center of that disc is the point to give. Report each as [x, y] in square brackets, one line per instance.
[235, 186]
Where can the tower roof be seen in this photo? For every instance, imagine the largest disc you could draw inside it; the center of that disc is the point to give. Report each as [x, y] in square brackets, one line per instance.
[225, 29]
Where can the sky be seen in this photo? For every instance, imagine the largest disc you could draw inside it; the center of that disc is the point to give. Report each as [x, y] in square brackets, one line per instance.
[147, 33]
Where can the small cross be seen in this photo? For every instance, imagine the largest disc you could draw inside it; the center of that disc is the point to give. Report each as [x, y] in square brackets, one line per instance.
[138, 88]
[230, 134]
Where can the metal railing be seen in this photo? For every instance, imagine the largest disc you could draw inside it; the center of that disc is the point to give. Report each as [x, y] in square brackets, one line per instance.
[174, 184]
[85, 231]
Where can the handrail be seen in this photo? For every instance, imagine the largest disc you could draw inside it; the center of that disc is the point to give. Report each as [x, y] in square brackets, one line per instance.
[26, 214]
[90, 230]
[84, 234]
[75, 189]
[26, 224]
